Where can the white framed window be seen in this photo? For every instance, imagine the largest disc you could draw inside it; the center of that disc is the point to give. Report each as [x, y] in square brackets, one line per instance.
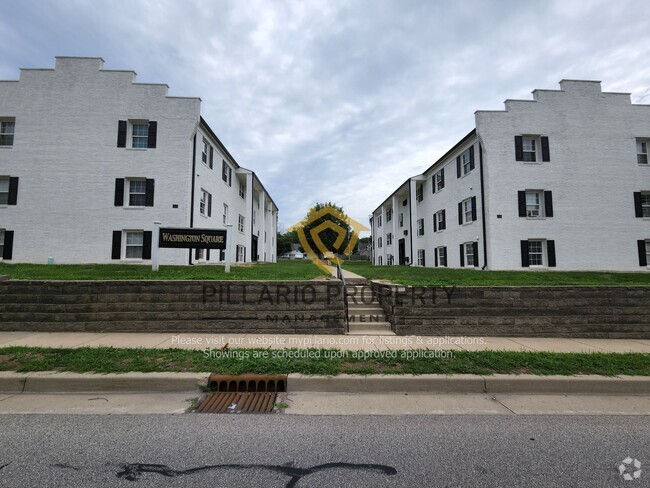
[467, 210]
[535, 253]
[389, 239]
[641, 151]
[534, 204]
[420, 227]
[225, 214]
[140, 135]
[389, 215]
[439, 180]
[7, 130]
[441, 252]
[241, 253]
[647, 251]
[137, 192]
[645, 205]
[378, 220]
[199, 254]
[440, 222]
[419, 193]
[4, 190]
[401, 220]
[466, 161]
[2, 242]
[206, 153]
[205, 203]
[380, 261]
[379, 242]
[240, 223]
[421, 261]
[242, 189]
[529, 145]
[134, 244]
[469, 254]
[226, 173]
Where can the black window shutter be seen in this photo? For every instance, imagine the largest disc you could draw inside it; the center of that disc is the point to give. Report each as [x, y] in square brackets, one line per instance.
[525, 261]
[146, 245]
[230, 178]
[519, 148]
[121, 133]
[475, 250]
[643, 257]
[471, 157]
[444, 261]
[207, 255]
[433, 184]
[153, 133]
[521, 197]
[196, 253]
[117, 244]
[443, 224]
[473, 209]
[638, 208]
[222, 254]
[460, 213]
[13, 191]
[435, 223]
[435, 257]
[8, 248]
[550, 252]
[458, 167]
[546, 154]
[119, 192]
[209, 205]
[462, 255]
[442, 177]
[148, 199]
[211, 157]
[548, 204]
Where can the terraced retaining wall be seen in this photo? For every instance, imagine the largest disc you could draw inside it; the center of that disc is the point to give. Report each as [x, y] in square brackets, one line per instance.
[621, 312]
[282, 307]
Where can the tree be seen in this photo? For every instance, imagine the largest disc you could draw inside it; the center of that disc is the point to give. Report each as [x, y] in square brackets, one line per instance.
[334, 231]
[285, 241]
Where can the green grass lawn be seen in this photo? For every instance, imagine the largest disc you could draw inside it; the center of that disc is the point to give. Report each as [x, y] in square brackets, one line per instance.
[282, 270]
[407, 275]
[112, 360]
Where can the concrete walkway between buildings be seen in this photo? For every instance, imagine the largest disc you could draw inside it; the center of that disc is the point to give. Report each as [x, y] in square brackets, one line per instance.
[348, 275]
[343, 342]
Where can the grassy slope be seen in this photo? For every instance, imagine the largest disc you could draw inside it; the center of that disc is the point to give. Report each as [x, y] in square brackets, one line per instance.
[283, 270]
[407, 275]
[110, 360]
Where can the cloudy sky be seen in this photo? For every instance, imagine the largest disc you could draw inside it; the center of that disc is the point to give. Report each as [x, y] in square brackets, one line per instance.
[340, 100]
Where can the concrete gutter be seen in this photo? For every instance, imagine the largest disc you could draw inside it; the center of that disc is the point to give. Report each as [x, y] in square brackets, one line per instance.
[56, 382]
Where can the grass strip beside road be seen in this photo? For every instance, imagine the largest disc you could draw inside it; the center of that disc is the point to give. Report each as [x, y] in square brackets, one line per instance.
[419, 276]
[329, 362]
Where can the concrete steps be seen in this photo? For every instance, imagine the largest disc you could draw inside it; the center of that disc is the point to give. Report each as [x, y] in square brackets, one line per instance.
[365, 314]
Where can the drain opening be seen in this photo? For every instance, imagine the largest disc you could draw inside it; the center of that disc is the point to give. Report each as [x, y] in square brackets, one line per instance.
[247, 393]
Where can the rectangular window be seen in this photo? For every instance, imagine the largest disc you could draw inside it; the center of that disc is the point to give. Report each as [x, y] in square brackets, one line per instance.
[380, 263]
[242, 190]
[467, 162]
[4, 190]
[401, 220]
[2, 242]
[441, 253]
[467, 210]
[647, 251]
[535, 253]
[529, 148]
[641, 152]
[420, 227]
[241, 253]
[533, 204]
[419, 193]
[226, 173]
[389, 239]
[204, 204]
[439, 221]
[645, 205]
[421, 257]
[199, 254]
[439, 180]
[205, 154]
[225, 214]
[7, 129]
[240, 223]
[379, 221]
[379, 242]
[389, 215]
[137, 193]
[469, 254]
[140, 135]
[134, 244]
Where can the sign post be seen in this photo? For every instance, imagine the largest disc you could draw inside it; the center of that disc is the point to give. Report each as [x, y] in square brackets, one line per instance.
[154, 245]
[228, 247]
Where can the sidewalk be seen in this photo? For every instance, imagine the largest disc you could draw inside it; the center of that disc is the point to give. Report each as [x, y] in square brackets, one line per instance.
[343, 342]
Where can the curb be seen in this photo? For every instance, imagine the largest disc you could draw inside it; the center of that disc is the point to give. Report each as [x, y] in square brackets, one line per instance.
[56, 382]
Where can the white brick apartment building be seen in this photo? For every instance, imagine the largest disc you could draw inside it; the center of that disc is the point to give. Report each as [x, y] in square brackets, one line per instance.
[561, 181]
[89, 159]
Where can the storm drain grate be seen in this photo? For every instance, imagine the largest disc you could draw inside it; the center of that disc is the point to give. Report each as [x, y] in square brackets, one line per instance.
[237, 402]
[245, 393]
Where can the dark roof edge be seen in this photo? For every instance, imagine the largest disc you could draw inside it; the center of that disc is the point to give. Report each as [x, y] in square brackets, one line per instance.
[391, 195]
[448, 153]
[221, 146]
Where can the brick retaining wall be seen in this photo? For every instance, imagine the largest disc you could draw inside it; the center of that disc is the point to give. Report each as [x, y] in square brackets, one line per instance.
[617, 312]
[281, 307]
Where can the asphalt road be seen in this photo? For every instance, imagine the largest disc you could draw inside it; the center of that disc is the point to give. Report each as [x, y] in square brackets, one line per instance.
[320, 451]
